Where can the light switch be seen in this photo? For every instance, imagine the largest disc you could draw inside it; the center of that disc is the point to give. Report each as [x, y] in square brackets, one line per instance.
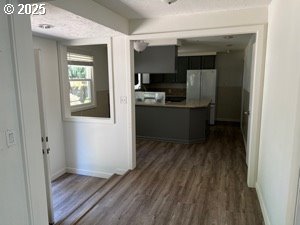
[10, 138]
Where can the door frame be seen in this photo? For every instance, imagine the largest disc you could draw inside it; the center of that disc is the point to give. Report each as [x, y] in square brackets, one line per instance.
[256, 86]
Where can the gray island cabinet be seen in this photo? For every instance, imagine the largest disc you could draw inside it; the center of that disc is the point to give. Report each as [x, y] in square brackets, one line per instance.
[175, 122]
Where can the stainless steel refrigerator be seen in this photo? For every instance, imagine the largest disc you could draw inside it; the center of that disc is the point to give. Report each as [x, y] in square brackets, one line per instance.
[201, 84]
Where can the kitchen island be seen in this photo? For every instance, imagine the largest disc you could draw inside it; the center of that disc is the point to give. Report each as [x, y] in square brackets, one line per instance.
[182, 122]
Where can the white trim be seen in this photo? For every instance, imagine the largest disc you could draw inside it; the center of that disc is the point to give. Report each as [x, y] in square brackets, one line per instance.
[83, 107]
[131, 127]
[82, 119]
[100, 174]
[65, 96]
[86, 41]
[121, 171]
[262, 205]
[202, 33]
[257, 81]
[58, 174]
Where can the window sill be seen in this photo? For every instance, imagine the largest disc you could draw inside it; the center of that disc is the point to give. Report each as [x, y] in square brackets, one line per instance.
[83, 108]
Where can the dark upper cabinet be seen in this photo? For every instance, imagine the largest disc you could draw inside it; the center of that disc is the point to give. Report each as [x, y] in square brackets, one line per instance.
[185, 63]
[156, 60]
[182, 67]
[208, 62]
[156, 78]
[195, 62]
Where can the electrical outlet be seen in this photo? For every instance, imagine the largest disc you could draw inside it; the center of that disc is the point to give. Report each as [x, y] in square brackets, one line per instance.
[123, 100]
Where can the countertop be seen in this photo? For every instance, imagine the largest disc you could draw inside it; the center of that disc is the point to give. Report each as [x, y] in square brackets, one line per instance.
[190, 104]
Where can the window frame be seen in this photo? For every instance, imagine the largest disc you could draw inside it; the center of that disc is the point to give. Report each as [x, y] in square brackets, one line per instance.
[64, 80]
[93, 103]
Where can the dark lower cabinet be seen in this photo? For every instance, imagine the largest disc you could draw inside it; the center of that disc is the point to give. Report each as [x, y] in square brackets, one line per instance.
[179, 125]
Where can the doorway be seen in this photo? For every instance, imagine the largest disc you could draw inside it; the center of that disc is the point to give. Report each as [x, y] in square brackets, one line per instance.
[256, 87]
[66, 192]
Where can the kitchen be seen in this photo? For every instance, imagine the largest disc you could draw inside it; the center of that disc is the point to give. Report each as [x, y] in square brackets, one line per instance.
[179, 94]
[172, 101]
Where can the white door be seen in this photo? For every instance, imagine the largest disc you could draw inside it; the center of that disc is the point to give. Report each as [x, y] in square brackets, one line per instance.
[246, 97]
[44, 138]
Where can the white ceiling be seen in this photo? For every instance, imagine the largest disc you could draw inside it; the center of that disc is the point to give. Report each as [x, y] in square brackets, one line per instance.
[214, 44]
[135, 9]
[68, 26]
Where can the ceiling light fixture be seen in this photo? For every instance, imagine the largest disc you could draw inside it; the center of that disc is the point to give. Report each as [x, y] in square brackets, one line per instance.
[46, 26]
[140, 46]
[169, 1]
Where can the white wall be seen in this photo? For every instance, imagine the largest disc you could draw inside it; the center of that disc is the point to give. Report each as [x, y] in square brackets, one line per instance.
[21, 166]
[51, 91]
[102, 149]
[280, 133]
[13, 202]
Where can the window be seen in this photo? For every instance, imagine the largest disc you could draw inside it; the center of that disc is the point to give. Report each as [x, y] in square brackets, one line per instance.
[81, 81]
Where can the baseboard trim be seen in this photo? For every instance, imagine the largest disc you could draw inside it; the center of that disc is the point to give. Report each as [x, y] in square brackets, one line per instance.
[58, 174]
[99, 174]
[262, 205]
[121, 171]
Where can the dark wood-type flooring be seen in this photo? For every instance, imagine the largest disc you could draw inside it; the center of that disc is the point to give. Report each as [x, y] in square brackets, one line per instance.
[199, 184]
[70, 191]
